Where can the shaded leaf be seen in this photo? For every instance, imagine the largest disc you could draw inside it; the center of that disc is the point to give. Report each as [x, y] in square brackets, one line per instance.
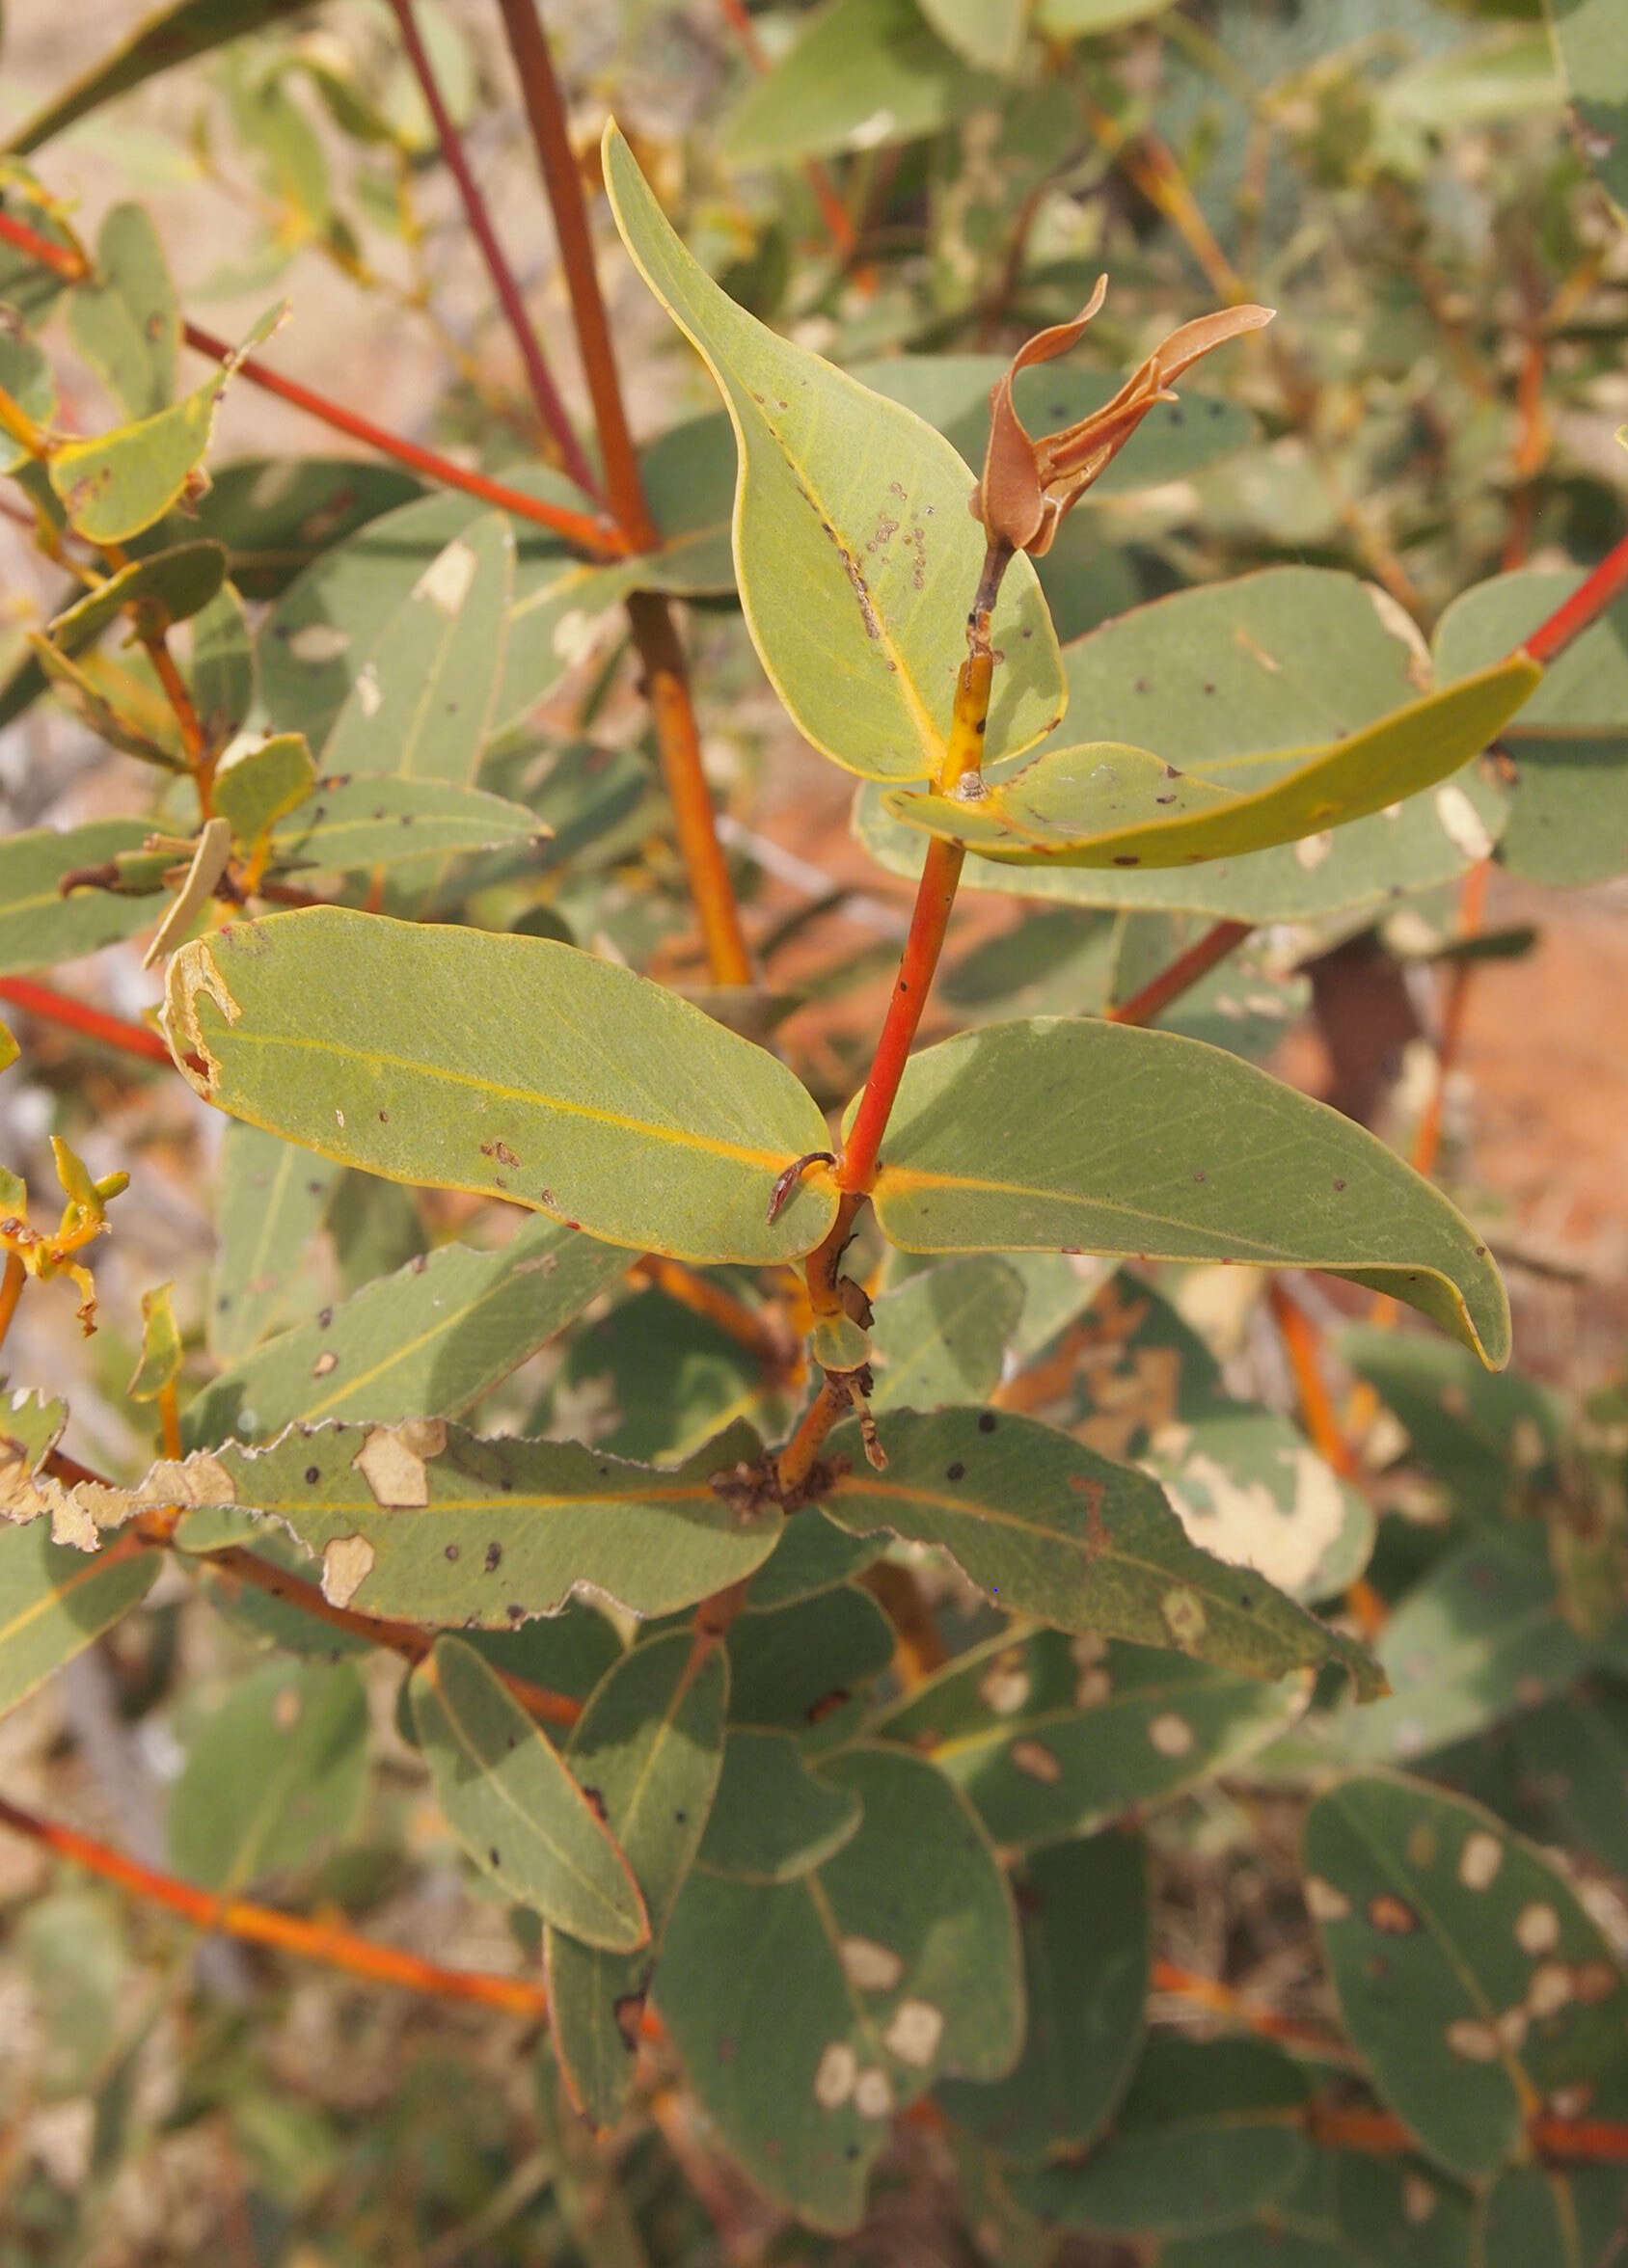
[647, 1749]
[1046, 1527]
[513, 1805]
[422, 702]
[855, 553]
[426, 1342]
[272, 1775]
[160, 1361]
[1588, 37]
[270, 1199]
[1083, 1909]
[1207, 2132]
[506, 1065]
[656, 1380]
[1564, 2214]
[222, 667]
[1469, 1976]
[1573, 1753]
[275, 515]
[795, 1665]
[1481, 1637]
[863, 72]
[1069, 19]
[39, 927]
[806, 2012]
[989, 34]
[1246, 1482]
[1050, 1736]
[813, 1554]
[1157, 1146]
[941, 1336]
[55, 1601]
[1481, 1438]
[774, 1817]
[116, 484]
[1345, 2211]
[125, 320]
[429, 1522]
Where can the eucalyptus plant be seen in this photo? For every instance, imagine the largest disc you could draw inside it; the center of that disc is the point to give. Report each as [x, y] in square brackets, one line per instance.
[829, 1586]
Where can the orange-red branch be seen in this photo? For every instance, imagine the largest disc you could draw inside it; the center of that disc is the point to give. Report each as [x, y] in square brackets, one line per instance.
[936, 895]
[1587, 604]
[587, 530]
[77, 1015]
[263, 1924]
[545, 109]
[1184, 972]
[540, 378]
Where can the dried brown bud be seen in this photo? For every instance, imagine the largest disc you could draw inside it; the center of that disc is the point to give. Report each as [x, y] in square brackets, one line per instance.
[1027, 484]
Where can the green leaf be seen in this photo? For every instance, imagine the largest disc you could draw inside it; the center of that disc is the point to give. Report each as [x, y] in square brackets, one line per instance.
[260, 782]
[125, 320]
[39, 927]
[774, 1817]
[116, 484]
[1588, 36]
[952, 392]
[26, 376]
[426, 1342]
[1565, 2214]
[1481, 1636]
[942, 1335]
[1574, 1752]
[1244, 1479]
[270, 1199]
[373, 820]
[1483, 1439]
[1050, 1736]
[795, 1665]
[657, 1380]
[1286, 658]
[514, 1806]
[987, 33]
[275, 515]
[1568, 817]
[55, 1601]
[806, 2013]
[1086, 1988]
[1209, 2131]
[1100, 804]
[509, 1066]
[1046, 1527]
[856, 555]
[422, 702]
[222, 667]
[167, 36]
[1157, 1146]
[862, 74]
[813, 1554]
[1345, 2211]
[273, 1775]
[429, 1522]
[1469, 1976]
[173, 585]
[648, 1750]
[161, 1355]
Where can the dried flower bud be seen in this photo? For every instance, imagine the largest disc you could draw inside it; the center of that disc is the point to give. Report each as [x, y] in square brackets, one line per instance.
[1027, 484]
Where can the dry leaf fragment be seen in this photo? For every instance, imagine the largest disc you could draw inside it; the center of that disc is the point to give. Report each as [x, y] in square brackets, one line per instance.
[1028, 485]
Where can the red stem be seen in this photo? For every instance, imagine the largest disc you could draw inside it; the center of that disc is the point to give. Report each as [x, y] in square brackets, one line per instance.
[935, 897]
[1184, 972]
[544, 393]
[1587, 604]
[582, 529]
[263, 1924]
[546, 112]
[76, 1016]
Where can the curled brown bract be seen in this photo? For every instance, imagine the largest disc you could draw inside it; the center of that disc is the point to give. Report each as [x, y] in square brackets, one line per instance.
[1028, 485]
